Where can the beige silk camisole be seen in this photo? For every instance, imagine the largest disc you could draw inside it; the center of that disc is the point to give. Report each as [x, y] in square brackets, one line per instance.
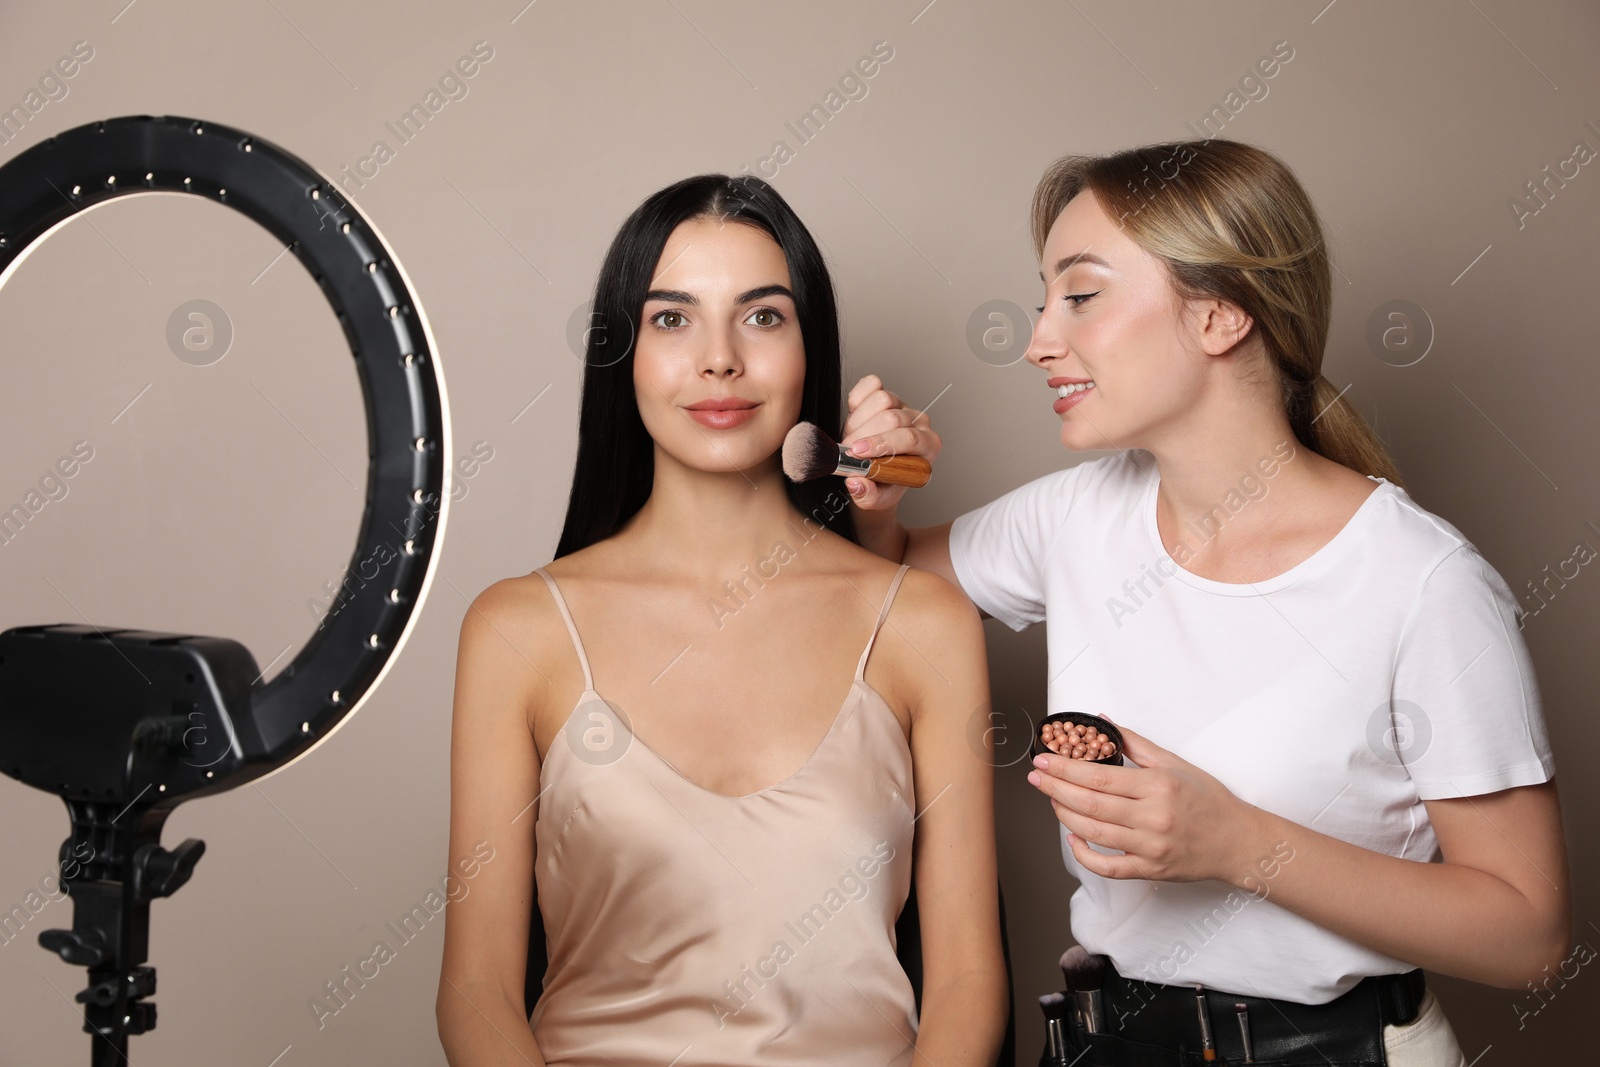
[686, 926]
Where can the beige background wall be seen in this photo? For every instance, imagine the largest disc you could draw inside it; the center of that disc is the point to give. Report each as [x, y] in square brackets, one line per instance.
[219, 499]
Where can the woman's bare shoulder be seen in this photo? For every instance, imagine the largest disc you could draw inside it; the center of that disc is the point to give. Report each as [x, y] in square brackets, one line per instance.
[930, 652]
[530, 592]
[601, 563]
[514, 629]
[930, 622]
[929, 606]
[922, 594]
[520, 603]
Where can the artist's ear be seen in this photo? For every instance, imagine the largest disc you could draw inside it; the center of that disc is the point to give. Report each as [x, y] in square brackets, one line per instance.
[1219, 326]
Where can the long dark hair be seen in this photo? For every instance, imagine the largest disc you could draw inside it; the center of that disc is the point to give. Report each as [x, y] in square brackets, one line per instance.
[616, 455]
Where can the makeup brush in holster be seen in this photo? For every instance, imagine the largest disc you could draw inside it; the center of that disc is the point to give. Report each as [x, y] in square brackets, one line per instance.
[1085, 975]
[1056, 1009]
[809, 453]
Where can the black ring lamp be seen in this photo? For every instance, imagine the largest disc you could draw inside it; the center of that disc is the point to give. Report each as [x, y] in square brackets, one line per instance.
[124, 724]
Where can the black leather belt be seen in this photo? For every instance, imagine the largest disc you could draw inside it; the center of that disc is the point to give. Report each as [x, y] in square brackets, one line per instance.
[1148, 1024]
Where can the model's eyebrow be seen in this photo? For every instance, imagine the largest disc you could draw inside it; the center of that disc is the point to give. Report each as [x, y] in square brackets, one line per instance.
[765, 291]
[1077, 257]
[675, 296]
[672, 296]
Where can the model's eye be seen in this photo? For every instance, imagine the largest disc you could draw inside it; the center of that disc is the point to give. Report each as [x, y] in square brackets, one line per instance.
[765, 318]
[667, 320]
[1078, 299]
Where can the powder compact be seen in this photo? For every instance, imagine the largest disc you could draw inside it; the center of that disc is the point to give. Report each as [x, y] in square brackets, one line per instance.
[1077, 736]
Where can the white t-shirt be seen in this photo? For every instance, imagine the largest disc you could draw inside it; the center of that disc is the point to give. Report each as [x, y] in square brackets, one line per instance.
[1384, 670]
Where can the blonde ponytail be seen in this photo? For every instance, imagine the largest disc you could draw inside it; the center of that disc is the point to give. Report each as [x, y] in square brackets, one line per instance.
[1341, 434]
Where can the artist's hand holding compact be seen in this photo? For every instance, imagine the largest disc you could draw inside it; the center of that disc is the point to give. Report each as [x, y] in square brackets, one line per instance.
[880, 424]
[1172, 821]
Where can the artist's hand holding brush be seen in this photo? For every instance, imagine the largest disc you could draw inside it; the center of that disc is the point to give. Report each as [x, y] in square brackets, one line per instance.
[1171, 820]
[880, 424]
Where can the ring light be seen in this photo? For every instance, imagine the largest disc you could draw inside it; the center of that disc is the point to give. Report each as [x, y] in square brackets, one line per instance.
[125, 724]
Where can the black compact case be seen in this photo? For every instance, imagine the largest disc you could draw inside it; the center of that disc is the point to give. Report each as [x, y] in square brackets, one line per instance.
[1105, 726]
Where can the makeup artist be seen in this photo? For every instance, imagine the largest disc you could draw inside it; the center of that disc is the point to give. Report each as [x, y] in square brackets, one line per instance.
[1341, 772]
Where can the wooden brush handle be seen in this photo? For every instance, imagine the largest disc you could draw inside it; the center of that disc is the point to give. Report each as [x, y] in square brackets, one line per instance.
[910, 471]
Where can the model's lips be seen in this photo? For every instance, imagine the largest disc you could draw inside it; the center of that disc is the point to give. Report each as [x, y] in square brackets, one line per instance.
[722, 412]
[721, 403]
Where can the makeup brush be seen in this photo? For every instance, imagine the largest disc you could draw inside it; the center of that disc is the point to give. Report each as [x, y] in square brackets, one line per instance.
[1084, 975]
[1208, 1046]
[1055, 1008]
[1243, 1011]
[809, 453]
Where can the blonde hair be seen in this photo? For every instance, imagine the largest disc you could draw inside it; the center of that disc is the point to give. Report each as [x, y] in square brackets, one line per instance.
[1232, 222]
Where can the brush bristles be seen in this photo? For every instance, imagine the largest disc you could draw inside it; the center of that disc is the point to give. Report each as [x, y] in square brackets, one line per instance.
[1081, 970]
[809, 453]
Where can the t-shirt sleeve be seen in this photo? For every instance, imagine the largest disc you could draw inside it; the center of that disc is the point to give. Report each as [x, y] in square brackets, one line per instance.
[999, 551]
[1464, 681]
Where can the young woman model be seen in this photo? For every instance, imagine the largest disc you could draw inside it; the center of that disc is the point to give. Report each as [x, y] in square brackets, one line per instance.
[1322, 685]
[706, 729]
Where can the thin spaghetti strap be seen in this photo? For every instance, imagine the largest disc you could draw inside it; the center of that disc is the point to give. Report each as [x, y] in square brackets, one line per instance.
[572, 629]
[883, 613]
